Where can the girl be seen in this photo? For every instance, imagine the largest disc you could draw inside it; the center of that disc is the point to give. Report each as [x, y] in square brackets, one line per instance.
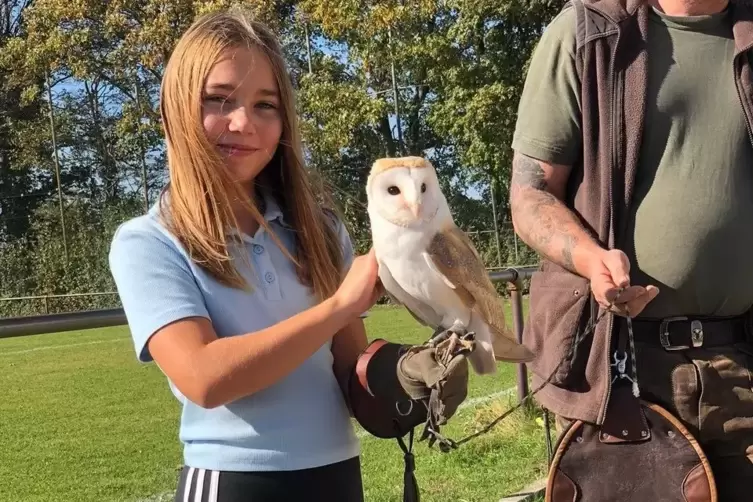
[235, 283]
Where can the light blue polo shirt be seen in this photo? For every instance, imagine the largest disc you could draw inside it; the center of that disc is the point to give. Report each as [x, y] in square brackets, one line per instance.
[299, 422]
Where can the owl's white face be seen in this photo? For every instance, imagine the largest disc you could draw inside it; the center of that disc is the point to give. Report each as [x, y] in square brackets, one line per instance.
[406, 197]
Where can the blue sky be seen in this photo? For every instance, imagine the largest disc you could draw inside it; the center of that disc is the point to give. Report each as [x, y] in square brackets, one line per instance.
[337, 51]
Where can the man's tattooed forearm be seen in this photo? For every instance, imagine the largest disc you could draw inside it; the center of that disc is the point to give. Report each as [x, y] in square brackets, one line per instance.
[527, 172]
[545, 225]
[541, 218]
[569, 242]
[541, 228]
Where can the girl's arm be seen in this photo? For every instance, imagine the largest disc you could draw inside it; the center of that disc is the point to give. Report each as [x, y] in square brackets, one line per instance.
[347, 345]
[213, 371]
[170, 324]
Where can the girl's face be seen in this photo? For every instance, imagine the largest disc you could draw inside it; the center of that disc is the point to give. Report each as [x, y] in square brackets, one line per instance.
[241, 111]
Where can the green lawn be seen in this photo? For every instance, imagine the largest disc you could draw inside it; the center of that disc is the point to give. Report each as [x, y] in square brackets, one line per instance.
[83, 421]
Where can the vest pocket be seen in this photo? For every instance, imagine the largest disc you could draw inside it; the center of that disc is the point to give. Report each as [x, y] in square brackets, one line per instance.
[557, 304]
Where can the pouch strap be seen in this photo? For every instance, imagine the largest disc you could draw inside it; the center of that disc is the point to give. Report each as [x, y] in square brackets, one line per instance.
[625, 420]
[411, 492]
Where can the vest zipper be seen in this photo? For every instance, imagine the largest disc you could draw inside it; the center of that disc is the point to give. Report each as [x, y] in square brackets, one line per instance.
[610, 317]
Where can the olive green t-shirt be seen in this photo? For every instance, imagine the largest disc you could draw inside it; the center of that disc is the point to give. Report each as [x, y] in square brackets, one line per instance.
[691, 221]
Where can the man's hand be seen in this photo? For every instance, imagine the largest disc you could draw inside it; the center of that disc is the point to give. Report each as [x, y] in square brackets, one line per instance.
[610, 272]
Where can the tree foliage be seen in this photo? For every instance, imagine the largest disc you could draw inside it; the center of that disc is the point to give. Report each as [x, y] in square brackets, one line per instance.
[458, 66]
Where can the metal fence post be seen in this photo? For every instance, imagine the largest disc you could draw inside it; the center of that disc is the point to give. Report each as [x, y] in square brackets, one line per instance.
[516, 302]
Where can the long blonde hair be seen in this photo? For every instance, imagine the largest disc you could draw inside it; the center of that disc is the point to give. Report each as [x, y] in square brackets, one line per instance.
[200, 189]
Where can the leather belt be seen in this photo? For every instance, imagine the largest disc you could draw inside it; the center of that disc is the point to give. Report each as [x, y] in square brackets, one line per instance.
[685, 332]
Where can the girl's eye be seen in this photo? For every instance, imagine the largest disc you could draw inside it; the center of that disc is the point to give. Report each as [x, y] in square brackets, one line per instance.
[216, 99]
[268, 106]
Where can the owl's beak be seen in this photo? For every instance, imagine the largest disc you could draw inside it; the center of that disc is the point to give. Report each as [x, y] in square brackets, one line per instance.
[415, 209]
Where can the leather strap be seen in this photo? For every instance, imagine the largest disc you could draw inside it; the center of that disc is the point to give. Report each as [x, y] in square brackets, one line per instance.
[682, 333]
[624, 420]
[363, 362]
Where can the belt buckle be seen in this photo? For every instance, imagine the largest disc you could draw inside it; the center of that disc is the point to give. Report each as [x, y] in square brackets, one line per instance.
[696, 333]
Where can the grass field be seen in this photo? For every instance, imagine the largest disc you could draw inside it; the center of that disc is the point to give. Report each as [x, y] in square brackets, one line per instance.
[83, 421]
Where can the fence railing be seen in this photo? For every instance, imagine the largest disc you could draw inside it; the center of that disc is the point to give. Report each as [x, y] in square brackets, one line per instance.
[92, 319]
[46, 298]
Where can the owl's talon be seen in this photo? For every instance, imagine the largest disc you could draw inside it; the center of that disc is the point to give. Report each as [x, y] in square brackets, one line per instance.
[455, 344]
[468, 342]
[449, 349]
[439, 336]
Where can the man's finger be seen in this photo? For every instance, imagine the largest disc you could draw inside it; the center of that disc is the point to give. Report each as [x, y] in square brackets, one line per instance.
[630, 302]
[618, 267]
[625, 300]
[637, 305]
[628, 294]
[652, 291]
[619, 310]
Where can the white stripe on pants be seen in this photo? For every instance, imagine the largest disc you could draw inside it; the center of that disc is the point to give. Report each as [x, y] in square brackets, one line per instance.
[195, 482]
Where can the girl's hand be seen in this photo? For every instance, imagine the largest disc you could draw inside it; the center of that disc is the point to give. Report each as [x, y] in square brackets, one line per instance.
[361, 288]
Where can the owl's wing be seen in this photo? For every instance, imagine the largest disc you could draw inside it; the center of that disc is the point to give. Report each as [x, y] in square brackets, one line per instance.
[453, 256]
[422, 312]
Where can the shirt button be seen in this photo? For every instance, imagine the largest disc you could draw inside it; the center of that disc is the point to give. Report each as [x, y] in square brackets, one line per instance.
[269, 277]
[258, 249]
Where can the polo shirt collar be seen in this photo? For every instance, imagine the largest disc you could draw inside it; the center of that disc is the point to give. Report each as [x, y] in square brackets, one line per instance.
[272, 210]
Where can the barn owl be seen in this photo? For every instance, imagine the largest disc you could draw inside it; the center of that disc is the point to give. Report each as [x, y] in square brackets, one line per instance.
[428, 265]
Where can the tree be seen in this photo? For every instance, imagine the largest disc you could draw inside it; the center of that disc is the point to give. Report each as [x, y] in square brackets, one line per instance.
[440, 79]
[24, 179]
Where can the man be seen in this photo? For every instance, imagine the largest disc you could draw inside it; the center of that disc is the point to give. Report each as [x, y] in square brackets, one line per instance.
[633, 168]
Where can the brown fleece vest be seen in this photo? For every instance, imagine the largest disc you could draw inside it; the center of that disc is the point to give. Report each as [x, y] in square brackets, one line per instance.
[612, 58]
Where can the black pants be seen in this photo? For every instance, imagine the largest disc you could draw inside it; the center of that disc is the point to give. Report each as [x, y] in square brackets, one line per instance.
[340, 482]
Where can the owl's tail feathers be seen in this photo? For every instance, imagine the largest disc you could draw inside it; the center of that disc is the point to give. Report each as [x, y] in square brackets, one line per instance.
[507, 349]
[482, 358]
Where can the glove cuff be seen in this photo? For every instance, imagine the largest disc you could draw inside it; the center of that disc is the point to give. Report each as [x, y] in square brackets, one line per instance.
[377, 399]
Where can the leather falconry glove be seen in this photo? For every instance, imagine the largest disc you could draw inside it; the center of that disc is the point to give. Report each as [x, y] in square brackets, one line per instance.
[394, 388]
[425, 376]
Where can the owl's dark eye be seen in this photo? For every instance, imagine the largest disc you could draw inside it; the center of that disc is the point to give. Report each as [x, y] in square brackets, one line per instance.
[423, 187]
[393, 190]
